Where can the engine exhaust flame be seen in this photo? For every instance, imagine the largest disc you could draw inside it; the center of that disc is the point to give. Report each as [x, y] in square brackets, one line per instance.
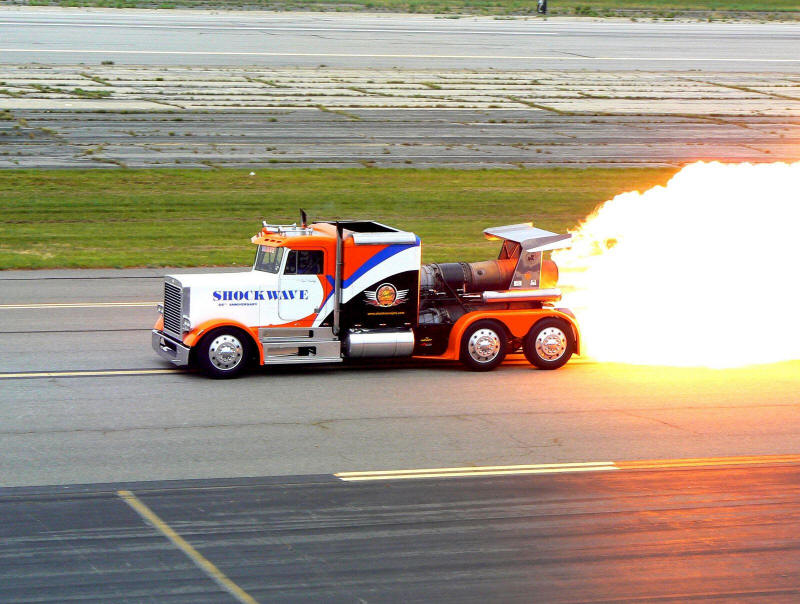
[702, 272]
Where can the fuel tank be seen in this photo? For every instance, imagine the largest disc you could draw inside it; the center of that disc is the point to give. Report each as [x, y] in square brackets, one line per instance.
[379, 343]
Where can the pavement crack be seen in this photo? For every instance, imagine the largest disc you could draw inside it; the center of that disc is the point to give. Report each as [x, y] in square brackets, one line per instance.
[574, 54]
[741, 88]
[528, 447]
[660, 421]
[516, 99]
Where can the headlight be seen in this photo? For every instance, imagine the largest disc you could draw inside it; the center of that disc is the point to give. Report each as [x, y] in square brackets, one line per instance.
[160, 309]
[186, 324]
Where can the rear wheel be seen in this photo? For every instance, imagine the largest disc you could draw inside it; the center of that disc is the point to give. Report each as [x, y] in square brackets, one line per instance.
[484, 346]
[549, 344]
[223, 353]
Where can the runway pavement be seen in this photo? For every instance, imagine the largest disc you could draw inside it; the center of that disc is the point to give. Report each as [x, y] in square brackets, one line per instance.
[673, 535]
[85, 399]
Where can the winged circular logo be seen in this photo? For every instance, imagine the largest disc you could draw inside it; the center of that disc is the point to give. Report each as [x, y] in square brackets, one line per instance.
[386, 295]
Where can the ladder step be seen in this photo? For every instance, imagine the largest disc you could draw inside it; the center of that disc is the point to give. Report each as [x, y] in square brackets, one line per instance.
[299, 360]
[302, 351]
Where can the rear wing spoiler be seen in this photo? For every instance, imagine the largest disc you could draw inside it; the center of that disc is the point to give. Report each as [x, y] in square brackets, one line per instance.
[529, 237]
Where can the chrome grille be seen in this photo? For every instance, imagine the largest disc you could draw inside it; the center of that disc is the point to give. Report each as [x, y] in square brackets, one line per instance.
[172, 308]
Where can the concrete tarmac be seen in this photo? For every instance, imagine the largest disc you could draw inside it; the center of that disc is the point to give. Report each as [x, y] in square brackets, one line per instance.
[159, 423]
[106, 116]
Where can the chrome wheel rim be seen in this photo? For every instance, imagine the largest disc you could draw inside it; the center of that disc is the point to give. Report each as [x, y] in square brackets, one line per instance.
[484, 345]
[551, 343]
[225, 352]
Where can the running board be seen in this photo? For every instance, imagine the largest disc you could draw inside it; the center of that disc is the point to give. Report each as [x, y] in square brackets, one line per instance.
[299, 360]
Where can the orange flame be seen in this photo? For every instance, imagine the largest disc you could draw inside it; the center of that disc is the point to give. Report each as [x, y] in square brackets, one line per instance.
[702, 272]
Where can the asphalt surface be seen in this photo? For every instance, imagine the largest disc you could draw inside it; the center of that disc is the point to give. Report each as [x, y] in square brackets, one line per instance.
[728, 534]
[159, 423]
[407, 41]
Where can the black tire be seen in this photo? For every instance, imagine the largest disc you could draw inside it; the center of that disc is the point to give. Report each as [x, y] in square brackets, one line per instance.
[224, 352]
[484, 346]
[549, 344]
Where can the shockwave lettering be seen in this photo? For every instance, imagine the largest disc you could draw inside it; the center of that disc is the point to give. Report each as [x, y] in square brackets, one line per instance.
[238, 295]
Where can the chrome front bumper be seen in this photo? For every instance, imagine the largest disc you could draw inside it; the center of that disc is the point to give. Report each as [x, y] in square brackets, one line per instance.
[171, 349]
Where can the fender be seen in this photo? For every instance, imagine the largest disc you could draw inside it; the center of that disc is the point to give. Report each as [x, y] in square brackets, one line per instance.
[193, 337]
[517, 322]
[567, 315]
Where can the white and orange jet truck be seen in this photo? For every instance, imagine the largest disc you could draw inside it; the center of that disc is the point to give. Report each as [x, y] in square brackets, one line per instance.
[336, 290]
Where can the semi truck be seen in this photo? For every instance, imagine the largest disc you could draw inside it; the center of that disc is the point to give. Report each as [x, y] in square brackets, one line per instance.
[353, 289]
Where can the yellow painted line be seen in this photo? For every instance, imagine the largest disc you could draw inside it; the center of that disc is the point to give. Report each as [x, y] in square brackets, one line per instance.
[699, 462]
[203, 563]
[74, 305]
[594, 466]
[560, 468]
[57, 374]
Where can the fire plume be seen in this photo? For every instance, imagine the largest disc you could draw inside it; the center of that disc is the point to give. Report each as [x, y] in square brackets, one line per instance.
[704, 271]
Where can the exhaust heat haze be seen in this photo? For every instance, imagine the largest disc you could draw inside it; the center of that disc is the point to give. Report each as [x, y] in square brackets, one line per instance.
[702, 272]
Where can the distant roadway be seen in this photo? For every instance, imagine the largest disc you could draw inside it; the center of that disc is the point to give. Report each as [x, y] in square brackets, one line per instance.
[407, 41]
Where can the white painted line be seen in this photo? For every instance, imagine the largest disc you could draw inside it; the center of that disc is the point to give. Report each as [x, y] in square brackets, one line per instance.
[110, 372]
[563, 468]
[597, 466]
[75, 305]
[350, 30]
[392, 56]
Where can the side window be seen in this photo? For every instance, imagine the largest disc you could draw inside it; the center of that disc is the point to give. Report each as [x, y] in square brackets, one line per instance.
[305, 262]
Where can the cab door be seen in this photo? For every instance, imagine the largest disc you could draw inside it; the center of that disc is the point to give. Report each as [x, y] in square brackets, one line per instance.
[301, 290]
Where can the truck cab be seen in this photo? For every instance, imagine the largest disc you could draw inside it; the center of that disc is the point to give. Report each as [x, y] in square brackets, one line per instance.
[333, 290]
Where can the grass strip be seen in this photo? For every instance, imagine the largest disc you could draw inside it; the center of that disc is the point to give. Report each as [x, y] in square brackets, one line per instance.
[784, 9]
[165, 217]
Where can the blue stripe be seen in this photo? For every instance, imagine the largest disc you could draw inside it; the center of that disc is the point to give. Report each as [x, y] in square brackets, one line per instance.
[384, 254]
[371, 263]
[332, 282]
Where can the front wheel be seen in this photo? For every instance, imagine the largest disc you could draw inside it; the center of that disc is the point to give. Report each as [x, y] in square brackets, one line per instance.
[549, 344]
[223, 353]
[484, 346]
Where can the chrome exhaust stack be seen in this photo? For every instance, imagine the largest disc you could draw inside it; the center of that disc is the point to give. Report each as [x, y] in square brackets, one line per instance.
[522, 295]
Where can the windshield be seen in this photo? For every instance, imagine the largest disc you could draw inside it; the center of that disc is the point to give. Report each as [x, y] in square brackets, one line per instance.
[268, 259]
